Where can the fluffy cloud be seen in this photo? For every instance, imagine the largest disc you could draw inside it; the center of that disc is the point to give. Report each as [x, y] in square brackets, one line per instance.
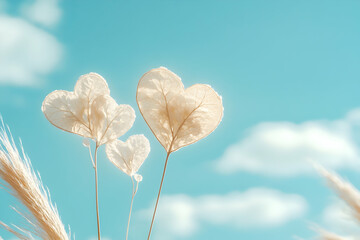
[28, 53]
[285, 148]
[182, 215]
[45, 12]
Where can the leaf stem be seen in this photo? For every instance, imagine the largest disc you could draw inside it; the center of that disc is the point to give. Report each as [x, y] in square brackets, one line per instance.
[157, 200]
[96, 192]
[131, 205]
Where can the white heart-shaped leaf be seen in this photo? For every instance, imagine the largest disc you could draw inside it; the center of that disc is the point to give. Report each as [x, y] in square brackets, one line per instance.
[128, 156]
[176, 116]
[108, 120]
[89, 111]
[90, 86]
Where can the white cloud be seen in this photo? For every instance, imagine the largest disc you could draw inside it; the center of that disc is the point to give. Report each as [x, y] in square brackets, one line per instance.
[27, 52]
[337, 218]
[45, 12]
[284, 148]
[182, 215]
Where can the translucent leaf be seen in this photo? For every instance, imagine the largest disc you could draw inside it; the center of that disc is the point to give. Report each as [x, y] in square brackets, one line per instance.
[176, 116]
[68, 112]
[89, 111]
[108, 120]
[90, 86]
[128, 156]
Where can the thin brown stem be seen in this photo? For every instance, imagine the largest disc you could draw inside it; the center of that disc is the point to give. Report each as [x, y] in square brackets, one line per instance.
[131, 205]
[96, 192]
[158, 197]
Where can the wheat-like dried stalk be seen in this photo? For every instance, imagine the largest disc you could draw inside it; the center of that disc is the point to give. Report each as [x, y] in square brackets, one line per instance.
[344, 189]
[26, 186]
[325, 235]
[347, 192]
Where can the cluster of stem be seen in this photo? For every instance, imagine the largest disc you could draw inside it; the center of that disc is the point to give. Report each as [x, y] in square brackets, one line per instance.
[134, 191]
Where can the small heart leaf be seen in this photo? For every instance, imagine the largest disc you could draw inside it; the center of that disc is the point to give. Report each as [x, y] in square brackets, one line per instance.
[128, 156]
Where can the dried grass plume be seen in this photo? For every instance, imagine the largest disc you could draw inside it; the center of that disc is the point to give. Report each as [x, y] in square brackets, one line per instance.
[26, 186]
[344, 189]
[347, 192]
[325, 235]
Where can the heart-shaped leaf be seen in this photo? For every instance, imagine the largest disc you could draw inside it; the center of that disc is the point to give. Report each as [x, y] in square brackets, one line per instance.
[176, 116]
[128, 156]
[89, 111]
[108, 120]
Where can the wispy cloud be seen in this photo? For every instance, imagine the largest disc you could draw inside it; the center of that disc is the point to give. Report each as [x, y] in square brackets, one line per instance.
[28, 53]
[284, 148]
[45, 12]
[180, 216]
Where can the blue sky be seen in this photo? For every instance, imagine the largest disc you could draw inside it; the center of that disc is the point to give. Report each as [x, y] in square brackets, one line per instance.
[288, 72]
